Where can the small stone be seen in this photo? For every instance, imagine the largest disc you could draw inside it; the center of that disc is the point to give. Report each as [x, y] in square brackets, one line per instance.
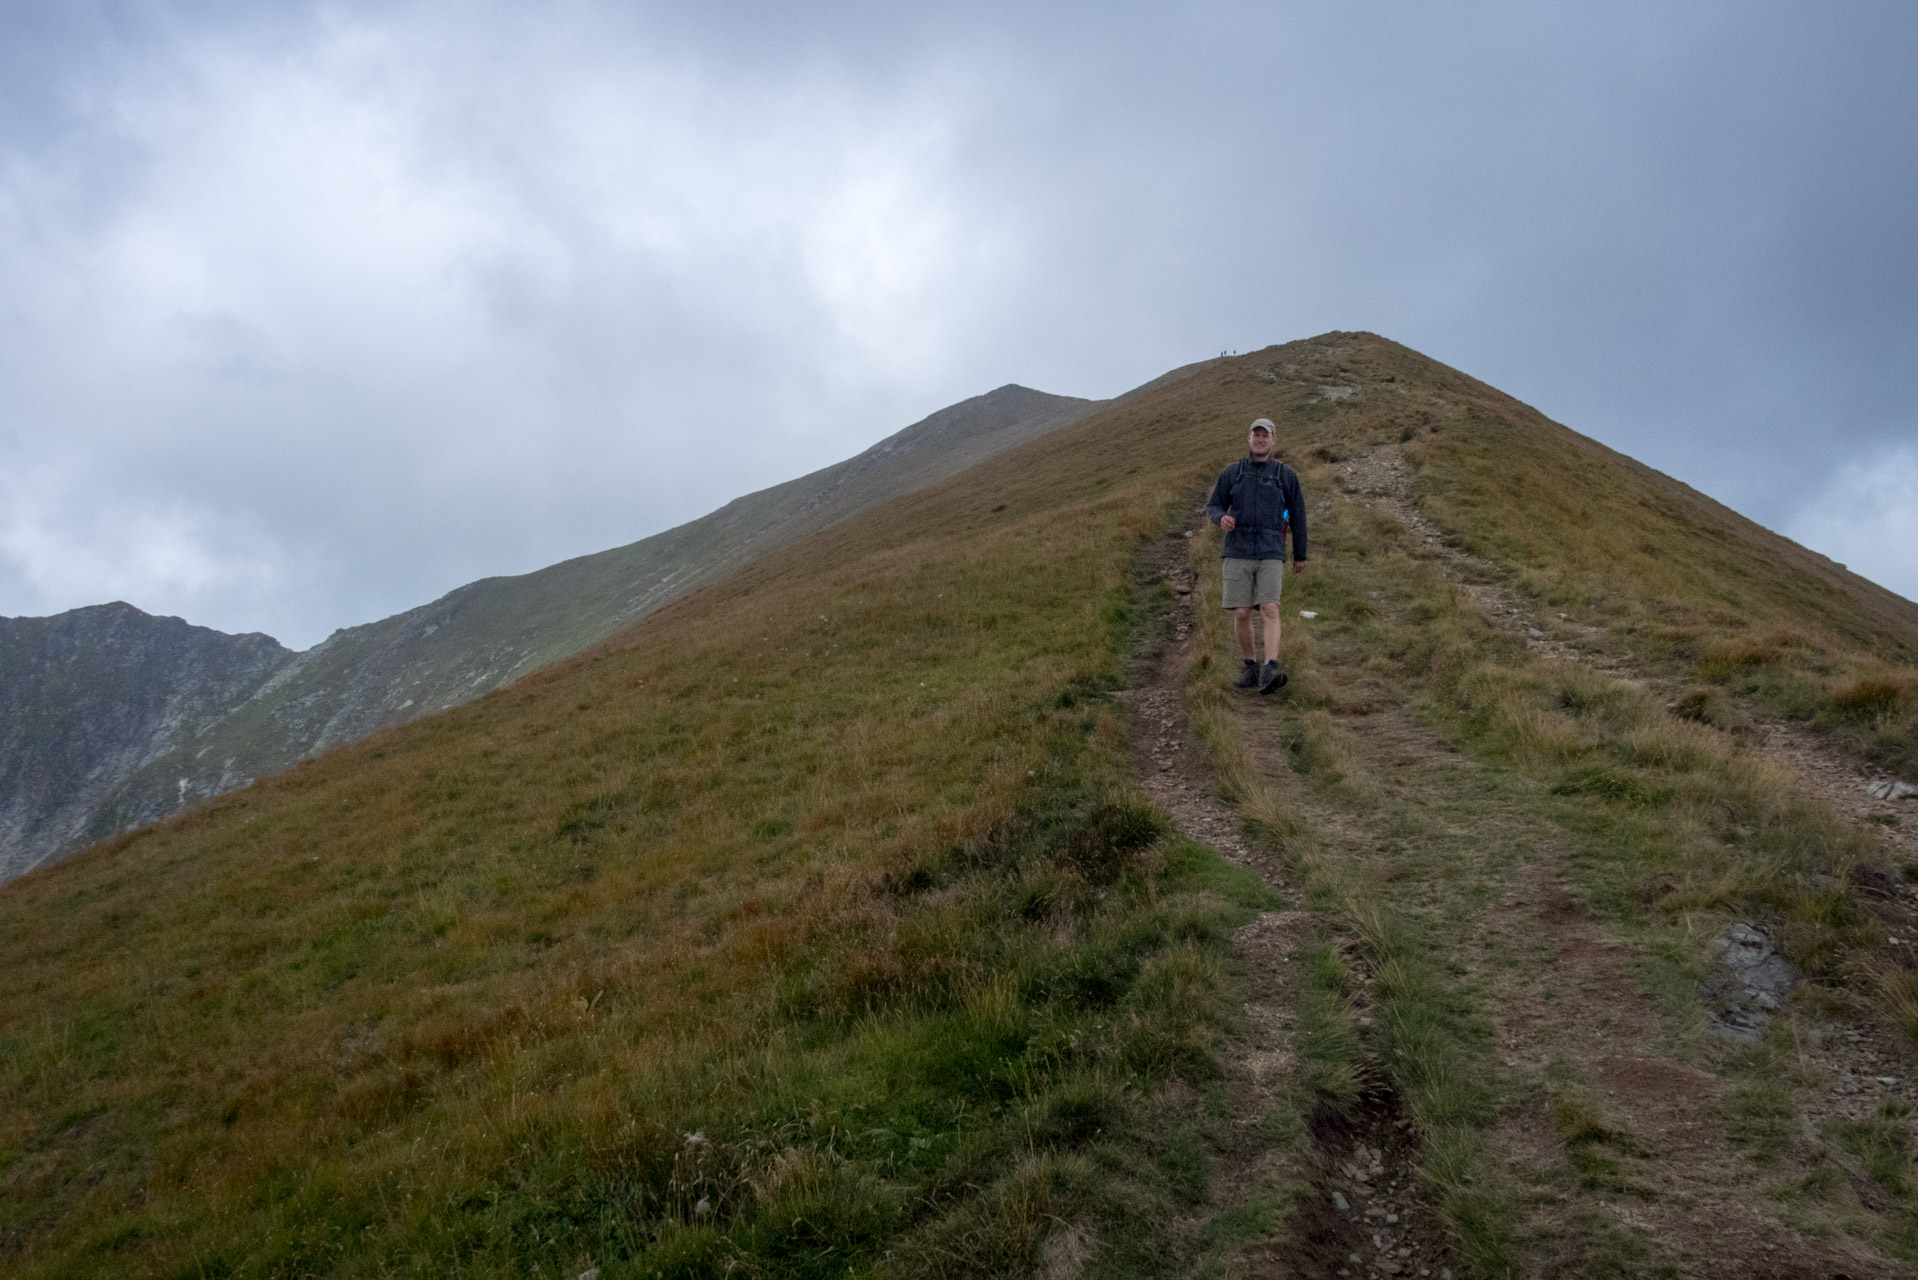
[1391, 1217]
[1887, 1080]
[591, 1273]
[1388, 1266]
[1308, 613]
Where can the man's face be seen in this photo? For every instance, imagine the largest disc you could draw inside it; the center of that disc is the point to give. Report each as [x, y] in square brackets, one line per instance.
[1261, 443]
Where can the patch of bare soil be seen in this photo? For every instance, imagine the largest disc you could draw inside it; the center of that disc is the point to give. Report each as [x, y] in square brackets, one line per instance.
[1361, 1214]
[1171, 765]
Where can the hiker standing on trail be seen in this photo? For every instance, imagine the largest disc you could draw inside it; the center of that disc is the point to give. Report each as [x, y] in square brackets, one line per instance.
[1256, 501]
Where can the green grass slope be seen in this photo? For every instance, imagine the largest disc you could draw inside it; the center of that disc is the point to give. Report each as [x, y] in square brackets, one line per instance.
[837, 872]
[811, 926]
[488, 633]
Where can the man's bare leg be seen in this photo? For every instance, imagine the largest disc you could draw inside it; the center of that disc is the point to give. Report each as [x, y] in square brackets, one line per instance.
[1245, 633]
[1269, 615]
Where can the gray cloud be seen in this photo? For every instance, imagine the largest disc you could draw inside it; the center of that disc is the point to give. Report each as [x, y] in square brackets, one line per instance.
[308, 315]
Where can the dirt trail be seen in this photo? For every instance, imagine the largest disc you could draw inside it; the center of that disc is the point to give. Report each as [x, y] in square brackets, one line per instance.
[1571, 1023]
[1854, 1058]
[1381, 478]
[1362, 1206]
[1653, 1183]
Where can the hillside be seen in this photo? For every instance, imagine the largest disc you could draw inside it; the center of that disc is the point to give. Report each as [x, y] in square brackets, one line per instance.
[927, 906]
[466, 643]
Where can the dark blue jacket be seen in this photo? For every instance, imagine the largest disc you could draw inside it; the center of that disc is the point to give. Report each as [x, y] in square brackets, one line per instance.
[1263, 498]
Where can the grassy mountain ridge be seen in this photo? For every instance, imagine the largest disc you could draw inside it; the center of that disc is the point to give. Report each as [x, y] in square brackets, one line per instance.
[486, 633]
[818, 865]
[1666, 574]
[813, 924]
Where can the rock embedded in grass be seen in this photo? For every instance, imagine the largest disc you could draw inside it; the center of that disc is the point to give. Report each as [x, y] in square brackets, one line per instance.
[1747, 982]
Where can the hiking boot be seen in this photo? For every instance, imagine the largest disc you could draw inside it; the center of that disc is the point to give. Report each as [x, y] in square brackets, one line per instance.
[1249, 675]
[1271, 678]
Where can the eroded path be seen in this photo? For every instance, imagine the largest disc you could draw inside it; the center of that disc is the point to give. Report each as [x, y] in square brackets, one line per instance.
[1613, 1139]
[1380, 478]
[1849, 1068]
[1343, 1198]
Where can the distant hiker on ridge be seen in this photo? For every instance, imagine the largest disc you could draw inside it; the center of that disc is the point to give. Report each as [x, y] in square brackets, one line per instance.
[1256, 500]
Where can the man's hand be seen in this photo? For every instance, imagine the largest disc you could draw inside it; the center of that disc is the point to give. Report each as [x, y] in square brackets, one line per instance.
[1298, 566]
[1228, 523]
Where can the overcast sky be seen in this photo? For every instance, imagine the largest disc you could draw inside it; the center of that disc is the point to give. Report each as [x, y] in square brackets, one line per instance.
[310, 313]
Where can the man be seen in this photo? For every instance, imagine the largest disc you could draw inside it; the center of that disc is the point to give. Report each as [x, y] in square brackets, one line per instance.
[1256, 501]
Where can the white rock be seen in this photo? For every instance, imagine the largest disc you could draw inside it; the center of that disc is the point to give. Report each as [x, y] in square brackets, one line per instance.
[1890, 789]
[1307, 613]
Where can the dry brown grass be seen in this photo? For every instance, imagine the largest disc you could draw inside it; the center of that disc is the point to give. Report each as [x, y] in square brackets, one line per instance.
[812, 864]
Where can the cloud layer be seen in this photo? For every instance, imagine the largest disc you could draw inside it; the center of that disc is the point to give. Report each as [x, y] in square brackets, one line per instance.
[307, 316]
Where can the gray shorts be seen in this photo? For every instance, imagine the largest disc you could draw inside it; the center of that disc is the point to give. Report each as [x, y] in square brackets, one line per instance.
[1249, 583]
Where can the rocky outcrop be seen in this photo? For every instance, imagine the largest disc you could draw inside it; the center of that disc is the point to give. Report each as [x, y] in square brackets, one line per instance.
[88, 698]
[1746, 983]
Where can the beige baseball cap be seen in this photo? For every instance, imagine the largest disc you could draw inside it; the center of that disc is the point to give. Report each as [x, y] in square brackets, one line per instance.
[1265, 425]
